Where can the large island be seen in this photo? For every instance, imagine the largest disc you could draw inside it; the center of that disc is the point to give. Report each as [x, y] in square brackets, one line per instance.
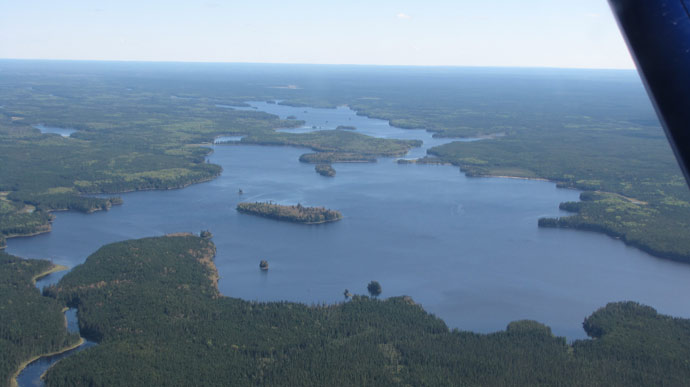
[297, 213]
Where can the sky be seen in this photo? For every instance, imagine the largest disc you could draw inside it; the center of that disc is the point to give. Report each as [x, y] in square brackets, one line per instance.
[511, 33]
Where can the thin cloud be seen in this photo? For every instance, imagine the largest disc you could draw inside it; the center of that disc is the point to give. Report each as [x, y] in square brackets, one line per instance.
[403, 16]
[593, 15]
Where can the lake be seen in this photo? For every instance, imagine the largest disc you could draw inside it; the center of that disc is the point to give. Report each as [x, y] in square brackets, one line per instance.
[64, 132]
[467, 249]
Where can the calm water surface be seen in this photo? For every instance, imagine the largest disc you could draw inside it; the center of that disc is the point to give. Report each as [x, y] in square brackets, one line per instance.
[468, 249]
[52, 129]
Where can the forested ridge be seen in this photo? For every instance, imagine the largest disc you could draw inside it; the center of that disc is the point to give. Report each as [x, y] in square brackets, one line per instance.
[30, 324]
[153, 306]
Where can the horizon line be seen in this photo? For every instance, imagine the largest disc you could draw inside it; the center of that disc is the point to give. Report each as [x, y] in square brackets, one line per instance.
[320, 64]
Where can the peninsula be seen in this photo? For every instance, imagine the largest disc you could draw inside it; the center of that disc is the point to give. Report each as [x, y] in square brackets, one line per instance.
[297, 213]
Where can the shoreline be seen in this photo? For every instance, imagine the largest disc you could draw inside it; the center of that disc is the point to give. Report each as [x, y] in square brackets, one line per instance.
[49, 227]
[287, 220]
[23, 365]
[13, 381]
[54, 269]
[520, 178]
[669, 256]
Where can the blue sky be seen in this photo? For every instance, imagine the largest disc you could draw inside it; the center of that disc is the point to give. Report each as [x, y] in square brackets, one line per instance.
[527, 33]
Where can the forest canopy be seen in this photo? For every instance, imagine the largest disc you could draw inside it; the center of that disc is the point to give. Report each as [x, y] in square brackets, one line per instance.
[153, 307]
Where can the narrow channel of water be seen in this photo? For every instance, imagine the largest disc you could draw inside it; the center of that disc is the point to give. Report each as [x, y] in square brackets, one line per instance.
[342, 116]
[31, 375]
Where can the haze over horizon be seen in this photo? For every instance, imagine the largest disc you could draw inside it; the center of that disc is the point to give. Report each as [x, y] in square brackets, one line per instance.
[535, 33]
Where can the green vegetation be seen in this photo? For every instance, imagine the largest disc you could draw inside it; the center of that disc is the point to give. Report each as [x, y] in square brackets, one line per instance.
[345, 127]
[374, 288]
[126, 140]
[642, 200]
[325, 170]
[159, 320]
[297, 214]
[620, 217]
[30, 324]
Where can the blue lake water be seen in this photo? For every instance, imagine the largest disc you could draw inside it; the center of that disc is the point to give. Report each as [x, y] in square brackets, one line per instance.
[64, 132]
[468, 249]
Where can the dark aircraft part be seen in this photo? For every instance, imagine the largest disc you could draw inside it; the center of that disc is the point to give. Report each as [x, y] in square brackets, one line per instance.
[658, 36]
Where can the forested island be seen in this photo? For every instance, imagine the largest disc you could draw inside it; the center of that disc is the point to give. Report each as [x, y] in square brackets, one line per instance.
[325, 170]
[296, 213]
[159, 324]
[336, 157]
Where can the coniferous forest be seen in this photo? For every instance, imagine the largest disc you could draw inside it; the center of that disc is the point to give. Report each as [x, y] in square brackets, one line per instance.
[30, 324]
[153, 307]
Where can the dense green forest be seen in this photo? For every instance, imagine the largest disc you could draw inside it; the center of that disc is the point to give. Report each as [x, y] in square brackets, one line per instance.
[297, 213]
[30, 324]
[153, 307]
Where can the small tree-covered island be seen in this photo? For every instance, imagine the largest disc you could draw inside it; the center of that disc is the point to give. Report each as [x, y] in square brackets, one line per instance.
[325, 170]
[296, 213]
